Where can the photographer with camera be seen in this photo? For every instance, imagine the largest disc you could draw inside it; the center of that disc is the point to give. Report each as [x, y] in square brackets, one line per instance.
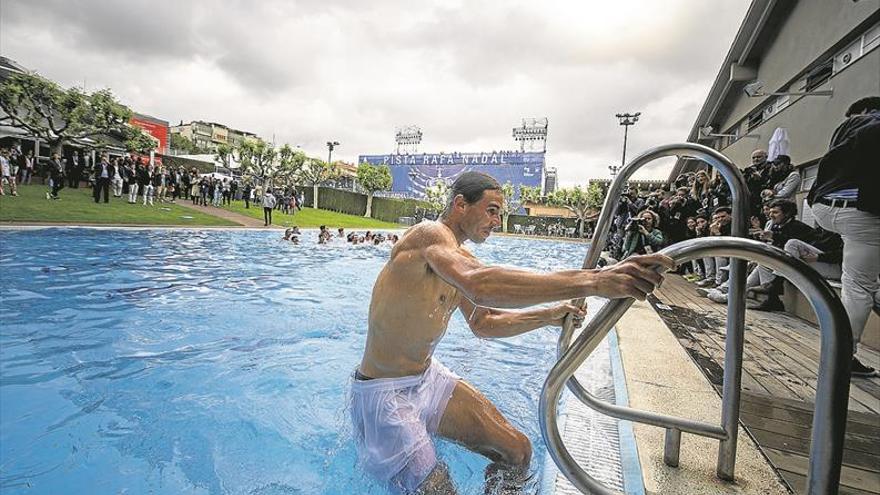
[642, 236]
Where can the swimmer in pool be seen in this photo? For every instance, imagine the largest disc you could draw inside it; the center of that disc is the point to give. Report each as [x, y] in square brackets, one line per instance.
[402, 396]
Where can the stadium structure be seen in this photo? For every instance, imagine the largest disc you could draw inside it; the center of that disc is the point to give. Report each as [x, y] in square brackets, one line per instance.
[413, 173]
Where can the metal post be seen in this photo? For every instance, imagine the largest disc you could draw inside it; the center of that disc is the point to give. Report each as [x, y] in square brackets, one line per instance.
[672, 447]
[625, 131]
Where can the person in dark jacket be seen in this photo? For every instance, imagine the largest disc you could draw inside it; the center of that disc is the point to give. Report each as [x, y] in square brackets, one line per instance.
[104, 172]
[845, 198]
[783, 228]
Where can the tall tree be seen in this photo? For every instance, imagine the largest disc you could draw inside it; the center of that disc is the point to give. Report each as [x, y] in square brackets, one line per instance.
[57, 115]
[290, 164]
[258, 160]
[140, 142]
[510, 204]
[314, 172]
[182, 144]
[437, 197]
[373, 178]
[575, 200]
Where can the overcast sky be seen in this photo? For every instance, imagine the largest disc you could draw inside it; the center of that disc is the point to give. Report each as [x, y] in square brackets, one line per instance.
[466, 72]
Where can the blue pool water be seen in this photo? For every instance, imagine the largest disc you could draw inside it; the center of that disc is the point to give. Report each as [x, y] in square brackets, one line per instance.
[205, 362]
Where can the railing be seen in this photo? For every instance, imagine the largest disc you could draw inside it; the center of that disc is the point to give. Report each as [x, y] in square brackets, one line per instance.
[833, 388]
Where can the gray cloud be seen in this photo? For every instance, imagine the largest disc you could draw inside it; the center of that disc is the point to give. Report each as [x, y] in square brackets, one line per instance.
[310, 70]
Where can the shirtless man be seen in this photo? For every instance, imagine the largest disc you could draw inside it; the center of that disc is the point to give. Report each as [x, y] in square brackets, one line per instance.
[401, 395]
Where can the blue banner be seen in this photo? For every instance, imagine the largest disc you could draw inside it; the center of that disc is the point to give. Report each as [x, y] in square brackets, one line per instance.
[413, 174]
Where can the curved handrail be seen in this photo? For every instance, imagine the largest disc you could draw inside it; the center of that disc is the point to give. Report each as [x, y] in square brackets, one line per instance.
[832, 390]
[735, 305]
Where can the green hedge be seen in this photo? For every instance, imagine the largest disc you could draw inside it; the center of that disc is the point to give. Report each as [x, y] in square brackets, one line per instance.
[338, 200]
[390, 209]
[385, 209]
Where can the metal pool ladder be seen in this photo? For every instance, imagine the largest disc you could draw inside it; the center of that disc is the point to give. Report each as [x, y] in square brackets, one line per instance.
[832, 390]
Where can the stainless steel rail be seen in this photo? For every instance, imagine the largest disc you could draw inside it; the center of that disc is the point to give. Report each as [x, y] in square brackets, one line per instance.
[735, 307]
[832, 391]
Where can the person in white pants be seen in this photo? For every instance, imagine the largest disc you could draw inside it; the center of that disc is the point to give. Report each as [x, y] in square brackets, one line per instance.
[845, 198]
[149, 189]
[117, 179]
[132, 192]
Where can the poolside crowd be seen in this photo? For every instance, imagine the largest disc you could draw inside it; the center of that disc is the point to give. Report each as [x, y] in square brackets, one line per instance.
[844, 245]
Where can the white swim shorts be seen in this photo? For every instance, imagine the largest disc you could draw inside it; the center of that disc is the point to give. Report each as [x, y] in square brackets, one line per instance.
[394, 419]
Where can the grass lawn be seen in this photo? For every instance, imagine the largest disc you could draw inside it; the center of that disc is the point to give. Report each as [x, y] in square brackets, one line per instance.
[78, 206]
[310, 217]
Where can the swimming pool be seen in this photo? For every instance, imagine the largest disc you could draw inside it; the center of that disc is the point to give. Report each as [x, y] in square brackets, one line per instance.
[216, 361]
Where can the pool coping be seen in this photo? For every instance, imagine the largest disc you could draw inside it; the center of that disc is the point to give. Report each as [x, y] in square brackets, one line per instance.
[630, 464]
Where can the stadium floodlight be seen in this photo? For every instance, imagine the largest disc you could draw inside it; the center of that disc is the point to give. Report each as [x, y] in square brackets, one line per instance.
[755, 89]
[532, 131]
[409, 136]
[626, 120]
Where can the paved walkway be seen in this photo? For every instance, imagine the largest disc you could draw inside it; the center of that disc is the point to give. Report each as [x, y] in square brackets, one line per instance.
[780, 363]
[238, 218]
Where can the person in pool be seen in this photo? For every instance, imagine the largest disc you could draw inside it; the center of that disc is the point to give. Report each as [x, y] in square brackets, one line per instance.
[401, 395]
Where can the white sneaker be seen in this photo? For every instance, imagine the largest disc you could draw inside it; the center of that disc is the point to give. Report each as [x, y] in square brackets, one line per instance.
[717, 296]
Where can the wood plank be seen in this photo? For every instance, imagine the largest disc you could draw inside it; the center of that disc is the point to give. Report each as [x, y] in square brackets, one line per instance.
[869, 419]
[852, 441]
[806, 367]
[798, 483]
[801, 446]
[850, 477]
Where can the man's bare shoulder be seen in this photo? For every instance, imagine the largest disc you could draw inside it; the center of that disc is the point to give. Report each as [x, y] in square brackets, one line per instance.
[426, 234]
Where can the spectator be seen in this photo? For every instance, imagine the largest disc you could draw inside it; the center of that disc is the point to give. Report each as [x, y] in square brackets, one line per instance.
[641, 235]
[116, 178]
[268, 205]
[27, 168]
[131, 176]
[246, 195]
[786, 179]
[104, 172]
[720, 226]
[845, 198]
[784, 226]
[757, 178]
[56, 176]
[6, 175]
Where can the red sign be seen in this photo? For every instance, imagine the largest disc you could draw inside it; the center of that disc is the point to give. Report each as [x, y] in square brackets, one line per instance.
[159, 131]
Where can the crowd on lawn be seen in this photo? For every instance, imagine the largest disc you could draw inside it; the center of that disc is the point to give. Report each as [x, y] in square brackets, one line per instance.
[135, 179]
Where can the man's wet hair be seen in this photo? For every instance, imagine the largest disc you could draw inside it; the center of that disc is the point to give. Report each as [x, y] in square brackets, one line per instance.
[471, 186]
[787, 207]
[868, 103]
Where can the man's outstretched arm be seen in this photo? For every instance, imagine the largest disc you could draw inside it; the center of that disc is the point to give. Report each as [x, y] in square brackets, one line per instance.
[501, 287]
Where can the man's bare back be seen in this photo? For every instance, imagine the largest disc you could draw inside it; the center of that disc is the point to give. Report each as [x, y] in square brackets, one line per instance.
[428, 276]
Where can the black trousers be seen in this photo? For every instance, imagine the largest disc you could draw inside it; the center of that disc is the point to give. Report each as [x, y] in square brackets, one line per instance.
[102, 184]
[57, 185]
[267, 215]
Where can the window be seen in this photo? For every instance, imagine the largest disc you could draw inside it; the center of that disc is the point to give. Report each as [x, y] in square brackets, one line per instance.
[819, 75]
[862, 45]
[755, 119]
[808, 177]
[872, 39]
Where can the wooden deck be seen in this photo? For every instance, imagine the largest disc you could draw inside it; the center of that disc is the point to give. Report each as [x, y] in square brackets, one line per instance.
[780, 363]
